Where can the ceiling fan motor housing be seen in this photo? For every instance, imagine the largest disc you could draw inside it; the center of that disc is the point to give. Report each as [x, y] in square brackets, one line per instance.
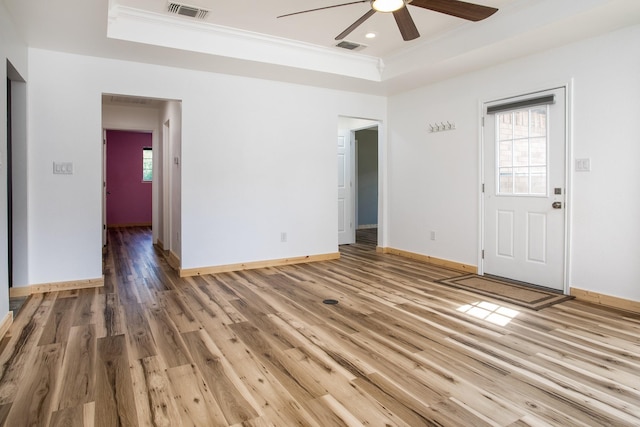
[387, 5]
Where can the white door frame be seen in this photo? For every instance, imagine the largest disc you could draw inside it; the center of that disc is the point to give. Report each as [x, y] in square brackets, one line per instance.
[104, 187]
[167, 194]
[568, 87]
[360, 124]
[346, 236]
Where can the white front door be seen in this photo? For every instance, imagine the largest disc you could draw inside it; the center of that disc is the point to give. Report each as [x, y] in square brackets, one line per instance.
[346, 233]
[524, 188]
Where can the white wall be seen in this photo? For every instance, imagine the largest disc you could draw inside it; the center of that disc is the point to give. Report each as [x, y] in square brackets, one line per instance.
[434, 178]
[172, 114]
[266, 164]
[257, 158]
[14, 50]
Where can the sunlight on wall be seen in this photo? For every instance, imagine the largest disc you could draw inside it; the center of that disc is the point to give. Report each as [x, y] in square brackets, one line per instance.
[490, 312]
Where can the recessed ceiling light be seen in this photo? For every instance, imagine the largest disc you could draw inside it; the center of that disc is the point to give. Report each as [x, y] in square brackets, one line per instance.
[370, 35]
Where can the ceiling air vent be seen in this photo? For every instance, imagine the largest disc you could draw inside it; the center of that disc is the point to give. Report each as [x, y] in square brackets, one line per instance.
[350, 45]
[185, 10]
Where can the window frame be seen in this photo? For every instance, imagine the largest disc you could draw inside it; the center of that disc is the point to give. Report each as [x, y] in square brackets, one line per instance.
[144, 161]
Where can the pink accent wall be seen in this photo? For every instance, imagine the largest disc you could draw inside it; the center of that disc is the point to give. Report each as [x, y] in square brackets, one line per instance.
[129, 201]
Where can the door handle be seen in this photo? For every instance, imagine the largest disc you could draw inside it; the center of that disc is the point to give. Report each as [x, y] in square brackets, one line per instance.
[556, 205]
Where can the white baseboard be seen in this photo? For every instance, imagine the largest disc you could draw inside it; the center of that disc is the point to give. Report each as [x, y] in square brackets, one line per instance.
[367, 226]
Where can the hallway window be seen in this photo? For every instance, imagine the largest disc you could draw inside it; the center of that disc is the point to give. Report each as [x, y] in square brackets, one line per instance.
[147, 164]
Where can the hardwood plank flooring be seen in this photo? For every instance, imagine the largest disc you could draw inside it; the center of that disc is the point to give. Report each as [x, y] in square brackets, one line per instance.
[259, 348]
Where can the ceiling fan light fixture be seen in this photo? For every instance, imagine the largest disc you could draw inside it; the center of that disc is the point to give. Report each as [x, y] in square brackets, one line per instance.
[387, 5]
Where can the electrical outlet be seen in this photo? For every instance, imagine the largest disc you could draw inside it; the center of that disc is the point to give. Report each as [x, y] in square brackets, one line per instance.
[433, 235]
[283, 237]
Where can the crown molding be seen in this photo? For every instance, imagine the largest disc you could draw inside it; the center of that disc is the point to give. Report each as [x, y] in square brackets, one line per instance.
[130, 24]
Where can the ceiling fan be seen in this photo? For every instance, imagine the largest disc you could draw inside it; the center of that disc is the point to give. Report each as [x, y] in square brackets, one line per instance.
[457, 8]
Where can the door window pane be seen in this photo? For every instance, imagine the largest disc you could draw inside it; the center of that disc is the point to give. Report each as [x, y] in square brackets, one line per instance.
[521, 181]
[539, 121]
[520, 152]
[538, 180]
[506, 125]
[506, 154]
[538, 147]
[505, 181]
[521, 157]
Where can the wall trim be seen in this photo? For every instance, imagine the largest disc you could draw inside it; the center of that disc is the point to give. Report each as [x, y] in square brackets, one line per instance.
[607, 300]
[24, 291]
[430, 260]
[159, 245]
[367, 226]
[257, 264]
[5, 324]
[133, 224]
[173, 260]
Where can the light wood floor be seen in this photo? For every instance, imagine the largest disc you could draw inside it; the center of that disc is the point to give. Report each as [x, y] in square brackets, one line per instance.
[259, 348]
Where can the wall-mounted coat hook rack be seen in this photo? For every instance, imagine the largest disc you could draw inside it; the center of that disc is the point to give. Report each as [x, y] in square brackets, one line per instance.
[442, 126]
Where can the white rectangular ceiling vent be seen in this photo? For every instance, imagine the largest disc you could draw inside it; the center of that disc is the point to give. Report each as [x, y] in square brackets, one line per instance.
[186, 10]
[351, 45]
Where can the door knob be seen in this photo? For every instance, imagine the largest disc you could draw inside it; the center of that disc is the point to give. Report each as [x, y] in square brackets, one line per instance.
[556, 205]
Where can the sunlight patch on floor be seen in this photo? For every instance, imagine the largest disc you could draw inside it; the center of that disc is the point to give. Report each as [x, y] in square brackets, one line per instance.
[490, 312]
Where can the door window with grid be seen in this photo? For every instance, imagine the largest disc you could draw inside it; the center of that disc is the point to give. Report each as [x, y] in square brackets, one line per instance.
[521, 154]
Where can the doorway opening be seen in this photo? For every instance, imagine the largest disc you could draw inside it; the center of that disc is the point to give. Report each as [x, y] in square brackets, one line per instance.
[366, 184]
[158, 147]
[359, 181]
[16, 178]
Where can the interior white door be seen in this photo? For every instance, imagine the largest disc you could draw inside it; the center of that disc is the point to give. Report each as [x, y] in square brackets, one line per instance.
[524, 188]
[345, 211]
[104, 188]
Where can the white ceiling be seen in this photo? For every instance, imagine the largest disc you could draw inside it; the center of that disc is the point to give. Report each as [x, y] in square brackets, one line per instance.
[245, 37]
[319, 27]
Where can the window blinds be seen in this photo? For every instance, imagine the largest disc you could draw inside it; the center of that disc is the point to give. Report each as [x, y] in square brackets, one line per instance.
[515, 105]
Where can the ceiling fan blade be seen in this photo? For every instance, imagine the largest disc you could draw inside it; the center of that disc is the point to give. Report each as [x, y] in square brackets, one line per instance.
[322, 8]
[406, 25]
[460, 9]
[356, 24]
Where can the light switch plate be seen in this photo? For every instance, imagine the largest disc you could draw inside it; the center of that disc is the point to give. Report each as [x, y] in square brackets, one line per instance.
[63, 168]
[583, 165]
